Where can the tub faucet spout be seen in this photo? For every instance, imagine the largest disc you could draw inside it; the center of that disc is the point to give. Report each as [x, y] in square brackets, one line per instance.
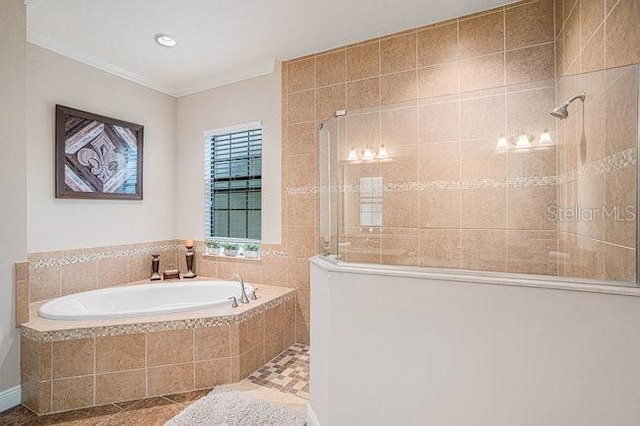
[243, 290]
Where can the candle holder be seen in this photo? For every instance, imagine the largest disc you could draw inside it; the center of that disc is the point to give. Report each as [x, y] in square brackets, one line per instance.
[155, 266]
[189, 258]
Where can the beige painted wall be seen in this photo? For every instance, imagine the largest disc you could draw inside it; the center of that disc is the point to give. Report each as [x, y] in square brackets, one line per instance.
[257, 99]
[65, 224]
[13, 179]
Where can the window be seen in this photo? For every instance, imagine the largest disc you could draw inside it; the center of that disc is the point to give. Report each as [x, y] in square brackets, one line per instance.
[233, 183]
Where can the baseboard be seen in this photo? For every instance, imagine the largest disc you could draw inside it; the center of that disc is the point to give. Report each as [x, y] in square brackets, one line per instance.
[311, 417]
[10, 398]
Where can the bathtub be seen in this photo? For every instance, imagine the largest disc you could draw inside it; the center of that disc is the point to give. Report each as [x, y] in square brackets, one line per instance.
[141, 300]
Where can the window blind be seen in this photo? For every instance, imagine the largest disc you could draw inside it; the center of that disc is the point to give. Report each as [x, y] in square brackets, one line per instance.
[233, 184]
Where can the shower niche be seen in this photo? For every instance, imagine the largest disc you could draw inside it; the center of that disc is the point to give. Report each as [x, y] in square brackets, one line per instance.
[538, 178]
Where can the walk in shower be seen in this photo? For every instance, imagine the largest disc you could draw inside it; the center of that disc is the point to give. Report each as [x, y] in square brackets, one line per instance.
[536, 178]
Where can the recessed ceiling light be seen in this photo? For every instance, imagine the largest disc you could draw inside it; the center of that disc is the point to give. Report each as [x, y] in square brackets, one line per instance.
[166, 40]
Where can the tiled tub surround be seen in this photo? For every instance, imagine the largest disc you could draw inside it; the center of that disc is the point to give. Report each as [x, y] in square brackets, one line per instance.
[67, 365]
[438, 98]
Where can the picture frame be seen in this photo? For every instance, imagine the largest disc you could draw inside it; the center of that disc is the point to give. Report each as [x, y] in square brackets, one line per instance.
[97, 157]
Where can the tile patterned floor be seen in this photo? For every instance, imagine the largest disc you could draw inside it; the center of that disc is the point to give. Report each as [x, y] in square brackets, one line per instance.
[288, 373]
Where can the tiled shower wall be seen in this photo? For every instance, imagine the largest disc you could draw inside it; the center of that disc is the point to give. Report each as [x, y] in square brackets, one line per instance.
[438, 97]
[593, 37]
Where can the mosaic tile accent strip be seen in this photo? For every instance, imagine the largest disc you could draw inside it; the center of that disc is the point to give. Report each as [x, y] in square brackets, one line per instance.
[110, 254]
[618, 161]
[288, 372]
[136, 328]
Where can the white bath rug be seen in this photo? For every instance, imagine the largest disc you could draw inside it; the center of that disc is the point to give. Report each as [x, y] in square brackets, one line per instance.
[227, 407]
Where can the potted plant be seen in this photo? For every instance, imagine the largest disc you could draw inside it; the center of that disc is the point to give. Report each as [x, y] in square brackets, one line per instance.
[231, 249]
[214, 247]
[251, 250]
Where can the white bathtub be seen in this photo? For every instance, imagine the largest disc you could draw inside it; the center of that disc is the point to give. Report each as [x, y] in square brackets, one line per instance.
[141, 300]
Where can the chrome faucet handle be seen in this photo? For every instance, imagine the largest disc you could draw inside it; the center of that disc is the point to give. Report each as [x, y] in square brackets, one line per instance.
[234, 304]
[254, 296]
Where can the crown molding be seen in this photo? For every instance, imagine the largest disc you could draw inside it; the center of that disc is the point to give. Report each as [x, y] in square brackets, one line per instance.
[43, 41]
[233, 76]
[236, 75]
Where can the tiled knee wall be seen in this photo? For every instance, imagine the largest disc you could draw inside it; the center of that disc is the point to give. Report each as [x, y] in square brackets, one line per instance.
[69, 374]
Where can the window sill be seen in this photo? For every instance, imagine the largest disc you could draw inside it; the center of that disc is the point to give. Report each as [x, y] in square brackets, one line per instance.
[239, 258]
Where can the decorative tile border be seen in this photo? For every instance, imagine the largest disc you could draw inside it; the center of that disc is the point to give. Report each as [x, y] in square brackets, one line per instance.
[136, 328]
[618, 161]
[109, 254]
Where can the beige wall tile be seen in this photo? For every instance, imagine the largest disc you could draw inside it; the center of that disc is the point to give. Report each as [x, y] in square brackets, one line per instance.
[592, 57]
[329, 100]
[36, 395]
[22, 302]
[535, 63]
[212, 373]
[528, 111]
[362, 130]
[482, 35]
[620, 263]
[301, 170]
[400, 250]
[483, 117]
[398, 53]
[438, 44]
[212, 343]
[440, 208]
[72, 358]
[399, 127]
[302, 241]
[78, 277]
[439, 161]
[529, 207]
[363, 93]
[113, 271]
[251, 333]
[299, 275]
[170, 379]
[140, 268]
[301, 75]
[251, 360]
[558, 15]
[69, 394]
[528, 252]
[301, 106]
[484, 208]
[301, 210]
[273, 345]
[535, 162]
[439, 122]
[482, 72]
[301, 139]
[400, 209]
[484, 250]
[440, 248]
[116, 353]
[622, 37]
[35, 359]
[274, 271]
[44, 283]
[620, 194]
[571, 41]
[592, 259]
[122, 386]
[529, 24]
[438, 80]
[621, 113]
[591, 17]
[398, 87]
[169, 347]
[22, 271]
[363, 61]
[274, 319]
[227, 268]
[480, 160]
[403, 165]
[331, 68]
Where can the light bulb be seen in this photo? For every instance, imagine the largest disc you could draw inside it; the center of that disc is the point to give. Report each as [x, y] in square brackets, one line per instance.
[382, 153]
[502, 144]
[352, 155]
[166, 40]
[367, 155]
[545, 138]
[523, 141]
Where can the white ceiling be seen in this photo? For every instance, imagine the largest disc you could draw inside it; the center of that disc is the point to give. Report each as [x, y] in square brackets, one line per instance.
[220, 41]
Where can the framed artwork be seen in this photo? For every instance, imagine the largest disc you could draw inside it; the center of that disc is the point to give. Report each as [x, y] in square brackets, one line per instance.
[97, 157]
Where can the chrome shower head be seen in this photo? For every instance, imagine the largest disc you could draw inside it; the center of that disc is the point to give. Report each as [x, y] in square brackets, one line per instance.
[562, 111]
